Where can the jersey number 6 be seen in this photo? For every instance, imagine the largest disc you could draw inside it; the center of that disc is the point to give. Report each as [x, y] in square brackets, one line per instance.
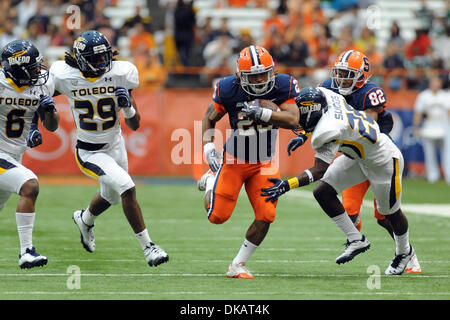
[15, 123]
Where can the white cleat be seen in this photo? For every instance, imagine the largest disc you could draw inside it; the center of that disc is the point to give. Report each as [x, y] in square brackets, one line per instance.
[86, 232]
[201, 184]
[155, 255]
[399, 263]
[31, 259]
[352, 249]
[239, 270]
[413, 265]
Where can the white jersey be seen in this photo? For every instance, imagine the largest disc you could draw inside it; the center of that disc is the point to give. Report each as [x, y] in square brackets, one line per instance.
[93, 101]
[17, 109]
[351, 132]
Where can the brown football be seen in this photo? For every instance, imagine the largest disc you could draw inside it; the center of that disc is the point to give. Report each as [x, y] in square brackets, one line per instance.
[268, 104]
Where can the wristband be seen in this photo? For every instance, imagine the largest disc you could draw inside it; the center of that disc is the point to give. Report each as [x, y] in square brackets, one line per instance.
[129, 112]
[310, 176]
[266, 114]
[293, 183]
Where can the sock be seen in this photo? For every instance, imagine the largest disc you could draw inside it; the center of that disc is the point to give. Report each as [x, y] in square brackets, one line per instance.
[25, 223]
[245, 252]
[346, 225]
[88, 218]
[402, 243]
[143, 238]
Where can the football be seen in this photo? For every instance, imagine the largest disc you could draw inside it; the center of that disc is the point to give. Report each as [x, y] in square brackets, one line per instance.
[267, 104]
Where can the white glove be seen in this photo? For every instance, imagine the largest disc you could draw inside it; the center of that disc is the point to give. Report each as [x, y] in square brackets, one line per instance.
[211, 156]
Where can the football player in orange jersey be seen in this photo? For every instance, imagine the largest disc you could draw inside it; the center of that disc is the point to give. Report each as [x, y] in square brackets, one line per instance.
[247, 155]
[350, 78]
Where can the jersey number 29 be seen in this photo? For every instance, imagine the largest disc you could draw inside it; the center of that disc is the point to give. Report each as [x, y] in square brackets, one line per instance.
[105, 109]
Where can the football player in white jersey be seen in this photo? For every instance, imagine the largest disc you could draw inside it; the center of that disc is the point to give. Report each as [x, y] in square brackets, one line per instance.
[366, 154]
[23, 92]
[97, 88]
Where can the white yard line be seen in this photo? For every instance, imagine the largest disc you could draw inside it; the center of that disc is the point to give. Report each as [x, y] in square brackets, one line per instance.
[368, 292]
[272, 275]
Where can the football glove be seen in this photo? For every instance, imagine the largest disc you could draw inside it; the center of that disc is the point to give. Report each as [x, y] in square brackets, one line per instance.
[385, 121]
[253, 110]
[296, 142]
[34, 136]
[47, 103]
[279, 187]
[211, 156]
[123, 97]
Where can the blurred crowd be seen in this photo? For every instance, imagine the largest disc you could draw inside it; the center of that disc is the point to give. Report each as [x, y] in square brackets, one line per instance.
[164, 34]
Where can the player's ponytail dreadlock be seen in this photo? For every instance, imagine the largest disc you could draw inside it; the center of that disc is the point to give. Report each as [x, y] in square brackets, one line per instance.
[70, 60]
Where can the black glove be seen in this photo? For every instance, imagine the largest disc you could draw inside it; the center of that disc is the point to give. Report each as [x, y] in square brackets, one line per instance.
[47, 103]
[123, 97]
[385, 121]
[34, 136]
[279, 187]
[296, 142]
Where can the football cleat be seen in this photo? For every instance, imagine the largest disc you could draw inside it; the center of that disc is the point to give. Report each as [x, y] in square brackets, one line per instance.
[86, 233]
[399, 263]
[413, 265]
[239, 270]
[155, 255]
[31, 259]
[201, 184]
[352, 249]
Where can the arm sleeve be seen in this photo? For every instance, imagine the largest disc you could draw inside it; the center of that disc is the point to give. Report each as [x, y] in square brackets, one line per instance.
[53, 84]
[220, 108]
[374, 98]
[418, 105]
[131, 77]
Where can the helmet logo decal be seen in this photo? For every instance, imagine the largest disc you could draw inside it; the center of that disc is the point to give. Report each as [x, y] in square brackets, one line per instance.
[99, 48]
[19, 59]
[19, 53]
[79, 45]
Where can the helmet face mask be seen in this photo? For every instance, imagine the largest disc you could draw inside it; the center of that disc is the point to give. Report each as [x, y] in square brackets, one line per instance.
[257, 83]
[93, 53]
[345, 79]
[350, 72]
[255, 69]
[22, 62]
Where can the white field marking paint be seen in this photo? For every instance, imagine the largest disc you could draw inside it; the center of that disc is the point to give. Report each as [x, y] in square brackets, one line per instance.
[442, 210]
[273, 275]
[237, 293]
[220, 261]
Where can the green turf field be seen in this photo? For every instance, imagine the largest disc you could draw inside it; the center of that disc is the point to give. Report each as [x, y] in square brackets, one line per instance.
[296, 261]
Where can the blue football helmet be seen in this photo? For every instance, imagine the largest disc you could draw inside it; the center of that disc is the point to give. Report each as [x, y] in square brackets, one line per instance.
[22, 63]
[93, 53]
[312, 104]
